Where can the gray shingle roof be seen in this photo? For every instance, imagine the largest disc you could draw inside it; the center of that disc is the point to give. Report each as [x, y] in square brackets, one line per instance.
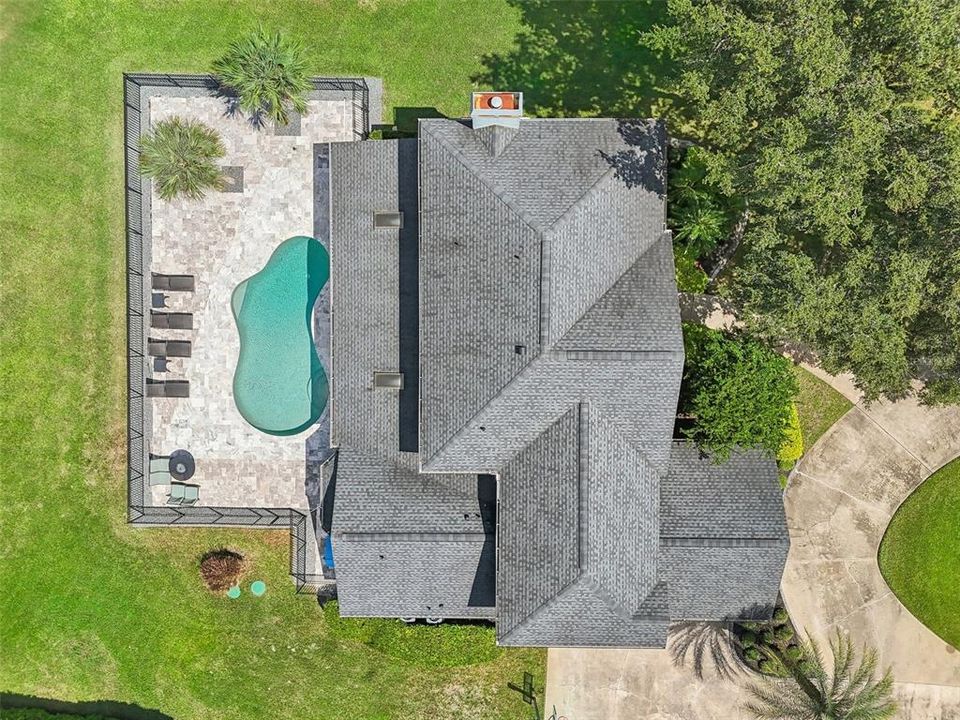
[539, 544]
[550, 353]
[516, 246]
[722, 527]
[405, 542]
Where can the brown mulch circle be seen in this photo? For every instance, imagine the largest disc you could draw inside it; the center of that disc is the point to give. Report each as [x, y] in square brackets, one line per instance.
[221, 569]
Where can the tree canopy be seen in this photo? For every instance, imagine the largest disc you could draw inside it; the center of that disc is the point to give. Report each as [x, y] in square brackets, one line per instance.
[838, 123]
[739, 392]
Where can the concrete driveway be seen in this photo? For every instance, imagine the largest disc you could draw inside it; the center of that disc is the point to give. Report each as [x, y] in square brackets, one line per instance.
[839, 502]
[589, 684]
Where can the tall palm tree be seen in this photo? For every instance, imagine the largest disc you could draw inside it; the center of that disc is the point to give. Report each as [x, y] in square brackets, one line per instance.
[268, 73]
[850, 692]
[180, 155]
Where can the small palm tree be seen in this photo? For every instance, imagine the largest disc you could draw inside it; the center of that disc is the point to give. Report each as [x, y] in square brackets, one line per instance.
[268, 73]
[700, 224]
[180, 155]
[813, 693]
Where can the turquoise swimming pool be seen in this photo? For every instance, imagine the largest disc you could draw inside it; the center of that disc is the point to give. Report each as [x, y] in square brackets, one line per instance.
[280, 386]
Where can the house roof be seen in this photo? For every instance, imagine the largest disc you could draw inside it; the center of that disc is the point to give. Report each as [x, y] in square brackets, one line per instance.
[550, 355]
[517, 247]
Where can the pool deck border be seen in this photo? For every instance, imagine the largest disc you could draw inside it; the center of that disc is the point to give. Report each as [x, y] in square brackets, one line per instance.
[366, 97]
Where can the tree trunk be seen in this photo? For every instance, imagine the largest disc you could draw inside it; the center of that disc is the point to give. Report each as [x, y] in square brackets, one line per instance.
[721, 256]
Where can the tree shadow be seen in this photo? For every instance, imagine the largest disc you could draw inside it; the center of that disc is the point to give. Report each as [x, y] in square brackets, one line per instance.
[708, 645]
[643, 165]
[104, 708]
[584, 59]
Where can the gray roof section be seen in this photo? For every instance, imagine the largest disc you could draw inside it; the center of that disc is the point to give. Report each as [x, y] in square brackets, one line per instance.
[740, 498]
[539, 540]
[390, 576]
[480, 270]
[638, 391]
[509, 248]
[412, 545]
[638, 313]
[579, 618]
[365, 286]
[621, 504]
[723, 527]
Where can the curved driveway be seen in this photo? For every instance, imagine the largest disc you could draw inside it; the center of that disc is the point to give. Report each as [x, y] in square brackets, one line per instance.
[839, 502]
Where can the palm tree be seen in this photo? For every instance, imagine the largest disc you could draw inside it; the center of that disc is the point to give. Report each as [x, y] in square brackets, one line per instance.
[180, 155]
[813, 693]
[700, 223]
[268, 73]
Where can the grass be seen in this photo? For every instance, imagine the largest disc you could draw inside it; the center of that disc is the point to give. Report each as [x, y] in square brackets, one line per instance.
[819, 406]
[92, 608]
[920, 553]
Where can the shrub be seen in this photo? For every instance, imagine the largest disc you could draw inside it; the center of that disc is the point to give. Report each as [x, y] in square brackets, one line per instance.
[180, 156]
[752, 654]
[794, 652]
[268, 73]
[690, 278]
[784, 634]
[780, 616]
[792, 448]
[738, 391]
[222, 569]
[748, 639]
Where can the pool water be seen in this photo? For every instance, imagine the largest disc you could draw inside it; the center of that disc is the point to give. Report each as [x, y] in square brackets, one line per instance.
[280, 386]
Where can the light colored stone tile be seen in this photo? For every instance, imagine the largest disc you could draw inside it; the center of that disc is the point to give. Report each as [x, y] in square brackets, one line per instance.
[222, 240]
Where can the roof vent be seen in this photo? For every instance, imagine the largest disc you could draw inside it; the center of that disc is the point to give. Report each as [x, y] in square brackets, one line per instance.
[388, 380]
[390, 220]
[496, 108]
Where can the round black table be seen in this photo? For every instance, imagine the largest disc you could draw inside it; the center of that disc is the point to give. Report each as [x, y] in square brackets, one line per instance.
[182, 465]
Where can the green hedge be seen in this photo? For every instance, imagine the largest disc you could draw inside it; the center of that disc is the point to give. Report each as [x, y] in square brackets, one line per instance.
[690, 278]
[446, 644]
[792, 448]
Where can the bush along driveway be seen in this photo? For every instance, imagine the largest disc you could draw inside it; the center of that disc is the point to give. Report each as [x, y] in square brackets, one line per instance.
[839, 501]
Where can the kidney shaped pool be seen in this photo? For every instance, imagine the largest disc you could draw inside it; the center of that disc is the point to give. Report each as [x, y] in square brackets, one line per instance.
[279, 385]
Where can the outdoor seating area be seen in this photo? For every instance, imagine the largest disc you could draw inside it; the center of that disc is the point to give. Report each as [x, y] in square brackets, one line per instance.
[172, 471]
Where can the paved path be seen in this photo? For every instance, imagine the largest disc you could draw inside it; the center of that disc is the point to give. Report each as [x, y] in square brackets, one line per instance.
[839, 502]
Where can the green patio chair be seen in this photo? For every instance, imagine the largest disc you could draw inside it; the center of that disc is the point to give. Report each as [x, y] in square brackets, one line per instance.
[160, 471]
[177, 494]
[191, 493]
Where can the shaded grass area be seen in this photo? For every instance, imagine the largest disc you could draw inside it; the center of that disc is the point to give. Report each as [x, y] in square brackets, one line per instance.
[920, 553]
[818, 405]
[92, 608]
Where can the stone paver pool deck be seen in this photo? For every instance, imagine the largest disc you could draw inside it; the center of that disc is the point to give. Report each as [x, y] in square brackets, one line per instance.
[222, 240]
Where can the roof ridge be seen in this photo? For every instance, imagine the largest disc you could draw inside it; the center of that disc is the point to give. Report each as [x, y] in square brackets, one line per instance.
[497, 192]
[650, 248]
[544, 606]
[452, 439]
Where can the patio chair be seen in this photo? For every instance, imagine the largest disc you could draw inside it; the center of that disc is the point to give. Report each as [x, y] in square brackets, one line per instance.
[171, 320]
[168, 348]
[191, 493]
[176, 494]
[160, 471]
[168, 388]
[182, 283]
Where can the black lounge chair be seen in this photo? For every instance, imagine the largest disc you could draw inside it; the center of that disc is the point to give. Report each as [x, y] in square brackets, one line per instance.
[168, 388]
[173, 282]
[168, 348]
[171, 320]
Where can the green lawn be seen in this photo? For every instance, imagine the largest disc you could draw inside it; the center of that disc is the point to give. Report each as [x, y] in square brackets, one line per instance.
[818, 405]
[92, 608]
[920, 553]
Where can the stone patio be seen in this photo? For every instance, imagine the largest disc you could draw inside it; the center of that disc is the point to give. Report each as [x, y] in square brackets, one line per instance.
[222, 240]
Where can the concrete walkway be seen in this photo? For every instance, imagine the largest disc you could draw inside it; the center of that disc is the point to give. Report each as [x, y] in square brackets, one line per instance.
[839, 502]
